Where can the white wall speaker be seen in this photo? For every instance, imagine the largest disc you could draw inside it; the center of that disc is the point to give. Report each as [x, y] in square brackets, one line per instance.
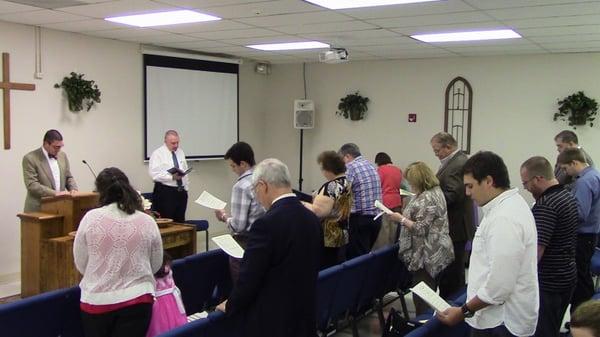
[304, 114]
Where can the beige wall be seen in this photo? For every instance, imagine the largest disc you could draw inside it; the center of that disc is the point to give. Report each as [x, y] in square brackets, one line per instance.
[111, 134]
[514, 99]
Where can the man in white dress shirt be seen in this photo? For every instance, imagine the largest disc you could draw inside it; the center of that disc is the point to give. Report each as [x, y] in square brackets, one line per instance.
[170, 194]
[46, 172]
[502, 291]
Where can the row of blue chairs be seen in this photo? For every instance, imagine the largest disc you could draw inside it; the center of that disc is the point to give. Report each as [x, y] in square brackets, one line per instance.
[434, 328]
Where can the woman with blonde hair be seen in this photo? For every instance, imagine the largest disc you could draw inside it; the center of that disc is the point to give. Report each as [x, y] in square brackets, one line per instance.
[425, 244]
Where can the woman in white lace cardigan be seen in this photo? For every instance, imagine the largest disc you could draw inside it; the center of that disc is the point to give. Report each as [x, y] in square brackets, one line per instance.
[118, 249]
[425, 245]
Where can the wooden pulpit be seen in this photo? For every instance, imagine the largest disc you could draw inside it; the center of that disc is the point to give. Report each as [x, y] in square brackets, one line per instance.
[40, 265]
[47, 248]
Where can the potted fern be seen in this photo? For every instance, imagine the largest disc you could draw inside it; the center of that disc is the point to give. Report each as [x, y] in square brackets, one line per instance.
[79, 92]
[353, 106]
[577, 109]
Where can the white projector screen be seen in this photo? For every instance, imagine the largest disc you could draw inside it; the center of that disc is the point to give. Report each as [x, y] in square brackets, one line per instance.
[197, 98]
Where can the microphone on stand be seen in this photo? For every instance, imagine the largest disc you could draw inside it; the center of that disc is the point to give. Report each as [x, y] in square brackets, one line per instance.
[88, 165]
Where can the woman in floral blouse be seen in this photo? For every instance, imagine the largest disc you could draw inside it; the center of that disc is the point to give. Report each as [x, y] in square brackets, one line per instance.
[425, 245]
[332, 205]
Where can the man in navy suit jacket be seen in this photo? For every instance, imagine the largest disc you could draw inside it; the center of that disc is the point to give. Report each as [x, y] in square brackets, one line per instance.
[276, 290]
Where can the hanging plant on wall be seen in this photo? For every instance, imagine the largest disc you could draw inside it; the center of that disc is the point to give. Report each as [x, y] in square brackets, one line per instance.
[79, 92]
[353, 106]
[577, 109]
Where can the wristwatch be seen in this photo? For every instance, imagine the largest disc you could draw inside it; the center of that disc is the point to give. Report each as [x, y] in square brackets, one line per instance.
[466, 311]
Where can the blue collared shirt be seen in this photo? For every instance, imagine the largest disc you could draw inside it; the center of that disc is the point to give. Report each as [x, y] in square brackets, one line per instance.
[587, 192]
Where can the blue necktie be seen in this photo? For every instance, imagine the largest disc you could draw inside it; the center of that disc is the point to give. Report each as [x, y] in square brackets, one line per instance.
[176, 164]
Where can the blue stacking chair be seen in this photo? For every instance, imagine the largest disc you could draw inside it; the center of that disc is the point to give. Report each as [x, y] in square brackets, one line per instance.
[207, 276]
[374, 287]
[72, 326]
[196, 328]
[185, 284]
[354, 274]
[47, 310]
[201, 226]
[327, 285]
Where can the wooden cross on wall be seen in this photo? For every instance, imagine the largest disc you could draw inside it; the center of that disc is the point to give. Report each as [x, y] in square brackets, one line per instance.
[7, 86]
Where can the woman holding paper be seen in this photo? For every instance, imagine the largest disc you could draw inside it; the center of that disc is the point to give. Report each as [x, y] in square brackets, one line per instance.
[425, 245]
[332, 205]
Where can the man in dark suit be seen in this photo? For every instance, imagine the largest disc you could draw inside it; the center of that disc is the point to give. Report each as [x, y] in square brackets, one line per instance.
[460, 208]
[275, 293]
[46, 172]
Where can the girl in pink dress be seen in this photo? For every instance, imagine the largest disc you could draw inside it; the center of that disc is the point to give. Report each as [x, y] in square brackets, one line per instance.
[168, 311]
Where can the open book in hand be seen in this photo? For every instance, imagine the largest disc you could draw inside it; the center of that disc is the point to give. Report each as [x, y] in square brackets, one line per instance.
[383, 208]
[179, 171]
[431, 297]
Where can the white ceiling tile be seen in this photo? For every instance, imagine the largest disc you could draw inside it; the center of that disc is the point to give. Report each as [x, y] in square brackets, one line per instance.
[209, 26]
[117, 8]
[40, 17]
[268, 39]
[436, 19]
[558, 31]
[11, 7]
[571, 44]
[566, 38]
[574, 50]
[352, 35]
[545, 11]
[413, 54]
[84, 26]
[499, 52]
[127, 33]
[493, 4]
[493, 43]
[490, 48]
[158, 39]
[325, 27]
[414, 9]
[233, 49]
[260, 9]
[575, 20]
[295, 19]
[198, 44]
[235, 34]
[376, 50]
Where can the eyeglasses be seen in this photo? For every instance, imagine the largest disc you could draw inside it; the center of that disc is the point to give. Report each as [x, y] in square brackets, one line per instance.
[527, 181]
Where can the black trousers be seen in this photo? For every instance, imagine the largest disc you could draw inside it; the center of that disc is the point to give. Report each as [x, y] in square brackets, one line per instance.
[332, 256]
[362, 233]
[452, 279]
[132, 321]
[584, 251]
[499, 331]
[553, 305]
[169, 201]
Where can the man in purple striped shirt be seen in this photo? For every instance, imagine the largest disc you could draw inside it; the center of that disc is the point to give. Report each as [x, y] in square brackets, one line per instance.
[366, 188]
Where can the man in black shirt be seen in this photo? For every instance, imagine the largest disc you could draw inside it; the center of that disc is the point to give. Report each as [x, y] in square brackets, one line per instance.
[556, 219]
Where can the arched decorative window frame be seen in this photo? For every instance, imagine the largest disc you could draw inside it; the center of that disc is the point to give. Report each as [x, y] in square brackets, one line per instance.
[469, 110]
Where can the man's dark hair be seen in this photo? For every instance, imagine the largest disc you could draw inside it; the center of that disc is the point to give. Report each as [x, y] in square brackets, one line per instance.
[382, 158]
[350, 149]
[487, 163]
[445, 139]
[538, 166]
[113, 186]
[566, 136]
[331, 161]
[570, 155]
[52, 135]
[241, 151]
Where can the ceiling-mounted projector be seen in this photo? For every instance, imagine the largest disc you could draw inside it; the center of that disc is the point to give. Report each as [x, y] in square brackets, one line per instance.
[334, 55]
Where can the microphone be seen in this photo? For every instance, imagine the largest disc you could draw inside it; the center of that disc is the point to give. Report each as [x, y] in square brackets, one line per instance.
[88, 165]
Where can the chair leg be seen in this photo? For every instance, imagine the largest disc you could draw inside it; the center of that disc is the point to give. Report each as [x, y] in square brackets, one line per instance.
[206, 231]
[404, 308]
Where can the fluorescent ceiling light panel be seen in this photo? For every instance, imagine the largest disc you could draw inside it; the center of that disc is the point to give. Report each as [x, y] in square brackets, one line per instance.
[468, 36]
[290, 45]
[342, 4]
[162, 18]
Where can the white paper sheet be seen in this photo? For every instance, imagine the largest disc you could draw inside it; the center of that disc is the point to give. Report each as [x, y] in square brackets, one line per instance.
[208, 200]
[229, 245]
[406, 193]
[382, 207]
[431, 297]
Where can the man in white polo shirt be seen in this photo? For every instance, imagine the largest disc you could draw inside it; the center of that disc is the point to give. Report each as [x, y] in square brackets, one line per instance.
[502, 291]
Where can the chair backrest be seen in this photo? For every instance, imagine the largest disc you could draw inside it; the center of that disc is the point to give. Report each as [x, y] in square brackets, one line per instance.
[55, 313]
[327, 285]
[206, 279]
[398, 276]
[354, 273]
[434, 328]
[378, 275]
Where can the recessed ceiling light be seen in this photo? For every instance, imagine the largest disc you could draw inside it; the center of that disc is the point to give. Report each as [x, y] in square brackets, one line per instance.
[162, 18]
[290, 45]
[341, 4]
[468, 36]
